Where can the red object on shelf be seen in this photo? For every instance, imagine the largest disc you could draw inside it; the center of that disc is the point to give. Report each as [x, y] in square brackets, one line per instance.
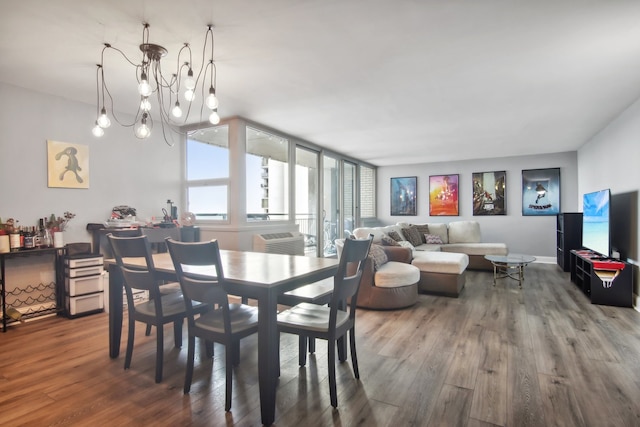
[608, 265]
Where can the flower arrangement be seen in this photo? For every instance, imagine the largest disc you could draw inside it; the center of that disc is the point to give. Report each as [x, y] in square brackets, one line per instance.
[59, 223]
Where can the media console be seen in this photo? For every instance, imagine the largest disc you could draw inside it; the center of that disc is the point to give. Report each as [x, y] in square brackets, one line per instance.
[585, 266]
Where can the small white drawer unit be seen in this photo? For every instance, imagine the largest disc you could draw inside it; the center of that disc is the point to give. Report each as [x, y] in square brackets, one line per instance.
[83, 284]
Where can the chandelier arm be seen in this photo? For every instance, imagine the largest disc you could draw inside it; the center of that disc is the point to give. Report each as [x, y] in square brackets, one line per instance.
[99, 67]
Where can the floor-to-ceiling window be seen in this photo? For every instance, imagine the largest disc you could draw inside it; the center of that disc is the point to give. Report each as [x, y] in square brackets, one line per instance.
[306, 197]
[330, 204]
[349, 194]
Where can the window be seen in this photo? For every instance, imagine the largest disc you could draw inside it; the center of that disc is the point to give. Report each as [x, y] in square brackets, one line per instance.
[267, 183]
[208, 173]
[367, 192]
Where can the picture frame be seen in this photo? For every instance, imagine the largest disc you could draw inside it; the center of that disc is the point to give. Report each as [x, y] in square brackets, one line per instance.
[443, 195]
[404, 196]
[67, 165]
[489, 193]
[540, 192]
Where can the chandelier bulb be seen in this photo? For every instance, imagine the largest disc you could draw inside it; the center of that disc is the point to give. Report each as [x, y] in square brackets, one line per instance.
[103, 120]
[189, 82]
[189, 95]
[214, 118]
[145, 104]
[144, 87]
[97, 130]
[176, 111]
[143, 130]
[211, 100]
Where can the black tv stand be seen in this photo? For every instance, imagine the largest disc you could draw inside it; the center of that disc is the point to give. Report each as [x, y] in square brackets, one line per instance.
[583, 274]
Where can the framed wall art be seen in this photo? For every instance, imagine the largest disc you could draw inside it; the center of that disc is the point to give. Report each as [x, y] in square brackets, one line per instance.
[541, 191]
[443, 195]
[67, 165]
[404, 194]
[489, 190]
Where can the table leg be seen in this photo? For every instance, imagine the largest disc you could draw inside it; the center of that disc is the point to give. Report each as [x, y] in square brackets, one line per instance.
[495, 273]
[268, 355]
[115, 310]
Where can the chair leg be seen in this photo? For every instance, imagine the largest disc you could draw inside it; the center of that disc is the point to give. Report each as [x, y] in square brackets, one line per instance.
[130, 336]
[236, 352]
[159, 352]
[188, 376]
[147, 331]
[354, 356]
[332, 374]
[312, 345]
[229, 357]
[177, 333]
[209, 348]
[342, 349]
[302, 350]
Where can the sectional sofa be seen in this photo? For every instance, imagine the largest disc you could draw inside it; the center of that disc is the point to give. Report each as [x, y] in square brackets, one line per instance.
[442, 252]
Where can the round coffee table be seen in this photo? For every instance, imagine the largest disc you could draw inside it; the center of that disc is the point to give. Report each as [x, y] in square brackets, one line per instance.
[511, 265]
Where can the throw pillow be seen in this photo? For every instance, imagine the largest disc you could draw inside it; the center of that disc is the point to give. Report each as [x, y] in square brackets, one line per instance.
[378, 255]
[422, 229]
[432, 239]
[395, 236]
[388, 241]
[412, 234]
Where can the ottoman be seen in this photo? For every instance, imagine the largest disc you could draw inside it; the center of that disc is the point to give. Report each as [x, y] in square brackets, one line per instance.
[441, 273]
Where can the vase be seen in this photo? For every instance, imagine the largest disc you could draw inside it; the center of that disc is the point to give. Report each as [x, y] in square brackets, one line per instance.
[58, 239]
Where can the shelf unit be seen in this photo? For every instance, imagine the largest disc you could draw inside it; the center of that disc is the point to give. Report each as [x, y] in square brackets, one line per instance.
[583, 274]
[568, 237]
[31, 300]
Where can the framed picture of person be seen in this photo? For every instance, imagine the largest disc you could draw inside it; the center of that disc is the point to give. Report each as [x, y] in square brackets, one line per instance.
[489, 191]
[443, 195]
[541, 191]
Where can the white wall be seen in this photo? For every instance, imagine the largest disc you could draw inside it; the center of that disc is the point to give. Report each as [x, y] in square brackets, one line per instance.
[611, 159]
[123, 169]
[534, 235]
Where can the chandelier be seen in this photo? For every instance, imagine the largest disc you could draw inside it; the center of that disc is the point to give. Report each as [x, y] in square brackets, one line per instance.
[168, 89]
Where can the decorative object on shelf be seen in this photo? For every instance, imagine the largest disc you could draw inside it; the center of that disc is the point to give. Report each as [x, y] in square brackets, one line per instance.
[489, 191]
[187, 219]
[443, 195]
[67, 165]
[59, 223]
[167, 88]
[404, 196]
[541, 191]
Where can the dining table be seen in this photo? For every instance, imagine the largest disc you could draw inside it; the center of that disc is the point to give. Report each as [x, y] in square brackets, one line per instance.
[256, 275]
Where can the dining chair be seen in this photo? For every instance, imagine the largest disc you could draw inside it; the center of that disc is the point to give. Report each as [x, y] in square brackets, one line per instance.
[159, 309]
[334, 321]
[201, 278]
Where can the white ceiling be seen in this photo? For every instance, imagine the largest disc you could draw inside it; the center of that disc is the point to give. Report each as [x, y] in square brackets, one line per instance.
[388, 82]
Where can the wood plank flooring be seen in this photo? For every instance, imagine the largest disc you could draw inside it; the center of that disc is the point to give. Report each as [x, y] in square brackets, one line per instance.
[497, 356]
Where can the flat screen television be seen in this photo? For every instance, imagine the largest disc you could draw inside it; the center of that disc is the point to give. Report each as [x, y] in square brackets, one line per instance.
[596, 229]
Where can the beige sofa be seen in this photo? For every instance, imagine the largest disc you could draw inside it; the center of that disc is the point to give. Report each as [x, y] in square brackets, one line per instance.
[442, 264]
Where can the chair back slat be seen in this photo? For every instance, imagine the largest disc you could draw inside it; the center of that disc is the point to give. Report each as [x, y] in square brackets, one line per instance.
[136, 247]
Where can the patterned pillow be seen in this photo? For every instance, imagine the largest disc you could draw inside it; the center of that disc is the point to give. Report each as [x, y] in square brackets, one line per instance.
[433, 239]
[422, 229]
[395, 236]
[412, 234]
[378, 255]
[388, 241]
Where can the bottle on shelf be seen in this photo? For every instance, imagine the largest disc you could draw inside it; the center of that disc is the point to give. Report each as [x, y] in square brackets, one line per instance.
[14, 240]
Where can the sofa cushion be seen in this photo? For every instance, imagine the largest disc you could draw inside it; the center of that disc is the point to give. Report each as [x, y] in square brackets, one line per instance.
[439, 229]
[378, 255]
[433, 239]
[412, 235]
[395, 236]
[388, 241]
[441, 262]
[422, 229]
[477, 248]
[396, 274]
[464, 232]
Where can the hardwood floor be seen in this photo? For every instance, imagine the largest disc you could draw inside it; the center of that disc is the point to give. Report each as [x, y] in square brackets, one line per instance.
[540, 356]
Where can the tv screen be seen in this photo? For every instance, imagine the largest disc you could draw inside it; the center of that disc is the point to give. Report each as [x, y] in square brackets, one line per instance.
[595, 222]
